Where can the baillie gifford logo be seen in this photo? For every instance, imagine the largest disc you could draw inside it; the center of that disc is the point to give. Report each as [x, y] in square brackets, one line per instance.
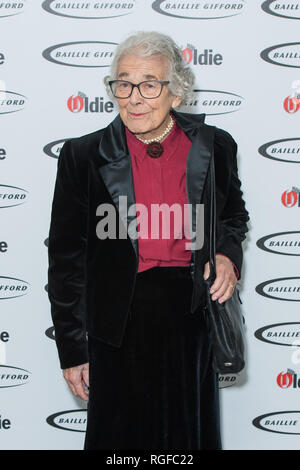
[70, 420]
[284, 288]
[282, 150]
[11, 8]
[11, 376]
[193, 56]
[282, 243]
[280, 334]
[81, 53]
[213, 102]
[281, 422]
[284, 55]
[199, 9]
[11, 102]
[290, 9]
[90, 10]
[81, 102]
[53, 148]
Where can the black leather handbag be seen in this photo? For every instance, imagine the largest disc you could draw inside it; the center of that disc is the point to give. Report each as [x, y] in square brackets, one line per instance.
[225, 321]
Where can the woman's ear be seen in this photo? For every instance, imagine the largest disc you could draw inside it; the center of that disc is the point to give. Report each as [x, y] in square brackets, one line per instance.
[176, 101]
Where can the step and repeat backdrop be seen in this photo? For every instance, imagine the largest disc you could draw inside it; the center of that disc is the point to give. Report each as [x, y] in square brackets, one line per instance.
[246, 58]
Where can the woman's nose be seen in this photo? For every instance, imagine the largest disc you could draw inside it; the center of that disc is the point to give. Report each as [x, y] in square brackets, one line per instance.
[136, 97]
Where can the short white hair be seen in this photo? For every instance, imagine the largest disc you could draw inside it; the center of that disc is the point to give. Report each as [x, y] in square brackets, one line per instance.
[145, 44]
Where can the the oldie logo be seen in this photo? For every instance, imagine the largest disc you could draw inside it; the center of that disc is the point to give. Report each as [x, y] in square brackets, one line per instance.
[11, 196]
[290, 197]
[72, 420]
[291, 104]
[81, 53]
[199, 9]
[284, 9]
[281, 422]
[11, 7]
[193, 56]
[3, 246]
[53, 148]
[81, 102]
[285, 55]
[4, 423]
[4, 336]
[281, 334]
[213, 102]
[90, 10]
[281, 243]
[283, 150]
[11, 287]
[13, 376]
[285, 288]
[11, 102]
[288, 379]
[3, 154]
[50, 333]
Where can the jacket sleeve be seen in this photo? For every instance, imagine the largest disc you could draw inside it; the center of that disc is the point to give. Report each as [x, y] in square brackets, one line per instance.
[66, 256]
[232, 216]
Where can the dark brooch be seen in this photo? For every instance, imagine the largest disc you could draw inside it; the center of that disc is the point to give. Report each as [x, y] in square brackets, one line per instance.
[154, 150]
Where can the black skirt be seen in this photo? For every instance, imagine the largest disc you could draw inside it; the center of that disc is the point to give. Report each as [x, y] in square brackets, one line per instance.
[158, 390]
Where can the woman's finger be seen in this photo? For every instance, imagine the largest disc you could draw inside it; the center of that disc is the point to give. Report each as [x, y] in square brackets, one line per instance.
[206, 271]
[81, 391]
[228, 293]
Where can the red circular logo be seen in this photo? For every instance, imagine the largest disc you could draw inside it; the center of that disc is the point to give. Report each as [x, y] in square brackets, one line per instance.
[289, 198]
[187, 55]
[291, 104]
[75, 104]
[284, 379]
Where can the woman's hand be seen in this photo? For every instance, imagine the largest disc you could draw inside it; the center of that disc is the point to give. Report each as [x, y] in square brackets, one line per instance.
[77, 379]
[223, 287]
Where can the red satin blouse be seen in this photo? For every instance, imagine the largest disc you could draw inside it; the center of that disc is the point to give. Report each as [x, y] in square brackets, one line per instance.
[162, 181]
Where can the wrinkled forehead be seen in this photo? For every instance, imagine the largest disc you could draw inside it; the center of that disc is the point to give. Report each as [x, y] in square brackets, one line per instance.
[152, 67]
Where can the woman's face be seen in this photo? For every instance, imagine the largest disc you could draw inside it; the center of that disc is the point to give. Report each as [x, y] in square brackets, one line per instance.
[147, 118]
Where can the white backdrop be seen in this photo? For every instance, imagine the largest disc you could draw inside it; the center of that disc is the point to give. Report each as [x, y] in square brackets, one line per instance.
[246, 57]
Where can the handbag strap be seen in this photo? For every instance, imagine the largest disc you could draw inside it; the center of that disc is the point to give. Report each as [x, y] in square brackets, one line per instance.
[212, 222]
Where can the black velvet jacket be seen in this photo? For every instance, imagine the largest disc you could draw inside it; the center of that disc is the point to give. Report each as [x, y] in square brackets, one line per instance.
[91, 281]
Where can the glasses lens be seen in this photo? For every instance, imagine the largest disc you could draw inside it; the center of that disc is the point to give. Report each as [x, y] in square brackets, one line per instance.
[150, 89]
[121, 89]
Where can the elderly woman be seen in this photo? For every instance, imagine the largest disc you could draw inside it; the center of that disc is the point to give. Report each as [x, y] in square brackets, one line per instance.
[127, 300]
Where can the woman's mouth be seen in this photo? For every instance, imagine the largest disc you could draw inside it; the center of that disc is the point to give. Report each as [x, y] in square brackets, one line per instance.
[137, 115]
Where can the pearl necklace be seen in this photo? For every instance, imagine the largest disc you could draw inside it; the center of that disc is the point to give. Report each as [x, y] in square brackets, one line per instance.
[154, 147]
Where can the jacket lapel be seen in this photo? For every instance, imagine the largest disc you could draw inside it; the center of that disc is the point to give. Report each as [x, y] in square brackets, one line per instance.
[116, 170]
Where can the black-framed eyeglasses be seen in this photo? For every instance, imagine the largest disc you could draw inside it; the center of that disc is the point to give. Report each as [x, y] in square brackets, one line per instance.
[148, 89]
